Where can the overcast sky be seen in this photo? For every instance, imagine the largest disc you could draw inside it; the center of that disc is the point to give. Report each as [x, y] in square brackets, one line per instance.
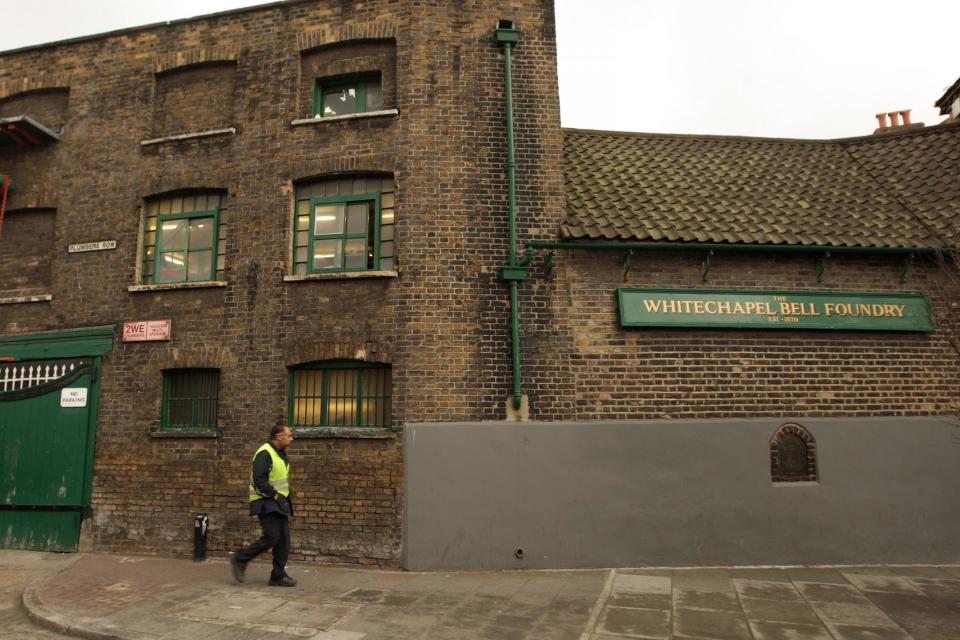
[787, 68]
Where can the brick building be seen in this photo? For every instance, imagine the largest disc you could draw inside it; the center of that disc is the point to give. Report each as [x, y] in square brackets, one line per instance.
[309, 222]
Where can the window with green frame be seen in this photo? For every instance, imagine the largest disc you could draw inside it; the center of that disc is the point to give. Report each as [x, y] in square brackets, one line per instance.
[342, 393]
[346, 96]
[183, 238]
[345, 223]
[189, 399]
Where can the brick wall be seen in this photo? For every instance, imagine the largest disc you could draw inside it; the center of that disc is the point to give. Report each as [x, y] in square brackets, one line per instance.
[441, 322]
[194, 99]
[690, 373]
[25, 249]
[351, 59]
[46, 106]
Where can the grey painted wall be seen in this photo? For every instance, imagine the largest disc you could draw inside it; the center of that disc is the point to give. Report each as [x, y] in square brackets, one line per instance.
[678, 493]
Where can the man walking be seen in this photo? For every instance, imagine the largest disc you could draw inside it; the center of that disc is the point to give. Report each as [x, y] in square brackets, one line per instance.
[270, 502]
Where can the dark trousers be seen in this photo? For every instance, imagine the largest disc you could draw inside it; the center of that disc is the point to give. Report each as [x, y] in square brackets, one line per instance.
[276, 534]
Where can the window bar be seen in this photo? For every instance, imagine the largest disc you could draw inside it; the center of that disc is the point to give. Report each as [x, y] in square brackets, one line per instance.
[358, 400]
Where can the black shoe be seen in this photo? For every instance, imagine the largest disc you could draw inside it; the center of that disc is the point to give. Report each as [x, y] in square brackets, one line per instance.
[238, 568]
[285, 581]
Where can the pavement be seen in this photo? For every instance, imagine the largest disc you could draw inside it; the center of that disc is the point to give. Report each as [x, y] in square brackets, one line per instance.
[111, 597]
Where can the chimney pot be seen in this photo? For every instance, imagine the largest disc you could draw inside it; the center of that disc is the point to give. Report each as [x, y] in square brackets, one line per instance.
[905, 114]
[894, 118]
[881, 121]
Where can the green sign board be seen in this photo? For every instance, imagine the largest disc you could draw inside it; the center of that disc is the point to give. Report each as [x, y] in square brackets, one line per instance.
[736, 309]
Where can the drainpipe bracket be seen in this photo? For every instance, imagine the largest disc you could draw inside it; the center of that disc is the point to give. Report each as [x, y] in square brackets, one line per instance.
[507, 36]
[516, 413]
[822, 266]
[529, 253]
[513, 273]
[704, 265]
[548, 265]
[905, 267]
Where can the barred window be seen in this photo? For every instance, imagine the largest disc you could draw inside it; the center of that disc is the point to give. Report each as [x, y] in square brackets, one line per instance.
[189, 399]
[793, 455]
[340, 394]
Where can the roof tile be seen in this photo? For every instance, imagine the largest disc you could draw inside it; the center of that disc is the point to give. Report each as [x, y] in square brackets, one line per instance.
[894, 190]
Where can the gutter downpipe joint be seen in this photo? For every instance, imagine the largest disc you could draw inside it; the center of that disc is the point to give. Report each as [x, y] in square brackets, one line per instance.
[507, 37]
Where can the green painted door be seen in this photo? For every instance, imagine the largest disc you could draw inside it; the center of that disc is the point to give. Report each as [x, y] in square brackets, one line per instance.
[47, 418]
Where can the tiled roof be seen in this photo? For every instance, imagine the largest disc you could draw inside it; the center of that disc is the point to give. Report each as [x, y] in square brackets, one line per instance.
[892, 190]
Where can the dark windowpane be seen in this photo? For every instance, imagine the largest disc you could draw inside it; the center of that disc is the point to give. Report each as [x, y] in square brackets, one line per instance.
[207, 399]
[180, 411]
[338, 102]
[793, 456]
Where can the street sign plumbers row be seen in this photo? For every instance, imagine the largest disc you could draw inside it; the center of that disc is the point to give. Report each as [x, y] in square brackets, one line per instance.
[101, 245]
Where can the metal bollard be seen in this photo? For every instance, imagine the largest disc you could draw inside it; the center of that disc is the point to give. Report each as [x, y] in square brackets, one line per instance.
[200, 522]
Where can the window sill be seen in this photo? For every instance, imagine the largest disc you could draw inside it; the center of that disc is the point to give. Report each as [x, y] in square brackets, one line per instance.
[341, 275]
[357, 433]
[16, 296]
[206, 433]
[169, 286]
[795, 483]
[351, 116]
[190, 136]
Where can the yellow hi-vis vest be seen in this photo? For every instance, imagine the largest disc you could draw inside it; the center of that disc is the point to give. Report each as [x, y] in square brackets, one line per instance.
[279, 474]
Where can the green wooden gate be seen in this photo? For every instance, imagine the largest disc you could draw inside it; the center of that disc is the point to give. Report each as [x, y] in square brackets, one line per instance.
[48, 410]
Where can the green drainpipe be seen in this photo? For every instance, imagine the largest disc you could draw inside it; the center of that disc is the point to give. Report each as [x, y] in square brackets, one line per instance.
[514, 272]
